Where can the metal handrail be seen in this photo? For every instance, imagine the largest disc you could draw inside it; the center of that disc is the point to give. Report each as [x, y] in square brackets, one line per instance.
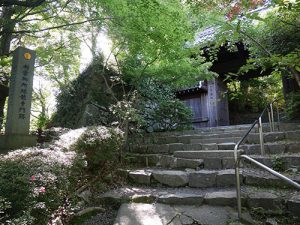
[237, 159]
[237, 169]
[273, 172]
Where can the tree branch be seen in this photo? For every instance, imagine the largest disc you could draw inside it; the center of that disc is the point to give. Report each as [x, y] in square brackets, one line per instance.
[60, 26]
[26, 3]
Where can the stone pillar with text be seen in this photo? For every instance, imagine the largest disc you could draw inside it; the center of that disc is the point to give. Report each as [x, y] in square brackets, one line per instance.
[217, 103]
[19, 101]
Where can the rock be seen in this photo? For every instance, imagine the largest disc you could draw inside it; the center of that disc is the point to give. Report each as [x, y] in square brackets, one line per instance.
[158, 149]
[176, 147]
[293, 205]
[89, 210]
[143, 198]
[213, 163]
[228, 163]
[189, 163]
[271, 137]
[274, 148]
[162, 214]
[181, 199]
[203, 178]
[293, 147]
[140, 176]
[226, 178]
[167, 161]
[193, 147]
[150, 159]
[226, 146]
[184, 139]
[171, 178]
[262, 180]
[291, 160]
[85, 195]
[185, 220]
[293, 135]
[271, 221]
[221, 198]
[172, 139]
[210, 146]
[251, 149]
[265, 200]
[138, 214]
[138, 148]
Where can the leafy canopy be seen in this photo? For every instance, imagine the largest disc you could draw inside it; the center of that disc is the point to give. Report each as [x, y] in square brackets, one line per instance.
[150, 39]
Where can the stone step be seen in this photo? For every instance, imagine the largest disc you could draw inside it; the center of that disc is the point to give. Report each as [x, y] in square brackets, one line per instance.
[206, 154]
[206, 178]
[165, 161]
[251, 197]
[183, 137]
[162, 214]
[171, 148]
[252, 138]
[278, 147]
[215, 140]
[282, 162]
[214, 161]
[272, 148]
[186, 139]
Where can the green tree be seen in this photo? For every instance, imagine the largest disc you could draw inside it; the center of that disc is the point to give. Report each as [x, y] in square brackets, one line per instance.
[49, 27]
[150, 38]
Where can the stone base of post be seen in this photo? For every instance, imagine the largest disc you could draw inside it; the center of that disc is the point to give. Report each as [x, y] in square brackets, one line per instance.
[16, 141]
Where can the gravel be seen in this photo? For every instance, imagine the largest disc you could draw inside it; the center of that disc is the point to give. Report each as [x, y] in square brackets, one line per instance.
[103, 218]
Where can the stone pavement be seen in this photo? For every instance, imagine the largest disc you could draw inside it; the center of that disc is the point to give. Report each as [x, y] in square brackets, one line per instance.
[160, 214]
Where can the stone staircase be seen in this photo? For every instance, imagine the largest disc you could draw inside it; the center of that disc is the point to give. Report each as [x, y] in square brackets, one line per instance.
[196, 168]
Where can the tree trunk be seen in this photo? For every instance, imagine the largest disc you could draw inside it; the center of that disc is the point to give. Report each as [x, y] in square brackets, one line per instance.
[296, 74]
[289, 84]
[5, 43]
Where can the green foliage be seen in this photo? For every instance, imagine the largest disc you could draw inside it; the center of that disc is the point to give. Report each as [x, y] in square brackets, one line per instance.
[15, 185]
[150, 40]
[100, 146]
[168, 115]
[4, 207]
[293, 105]
[278, 164]
[253, 95]
[33, 185]
[159, 108]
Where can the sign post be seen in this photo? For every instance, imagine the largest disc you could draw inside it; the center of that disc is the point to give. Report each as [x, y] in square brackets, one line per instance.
[19, 101]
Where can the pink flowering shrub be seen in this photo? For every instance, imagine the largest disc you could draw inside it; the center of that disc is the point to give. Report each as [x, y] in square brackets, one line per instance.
[35, 183]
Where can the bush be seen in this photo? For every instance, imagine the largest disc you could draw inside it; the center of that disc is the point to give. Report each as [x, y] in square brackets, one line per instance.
[167, 115]
[33, 184]
[100, 145]
[160, 109]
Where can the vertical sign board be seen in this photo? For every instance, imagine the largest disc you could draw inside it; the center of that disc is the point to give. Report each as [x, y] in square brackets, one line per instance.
[20, 92]
[212, 103]
[223, 111]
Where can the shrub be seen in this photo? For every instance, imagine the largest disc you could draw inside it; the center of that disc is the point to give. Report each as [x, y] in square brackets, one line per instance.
[100, 146]
[167, 115]
[160, 109]
[5, 205]
[34, 183]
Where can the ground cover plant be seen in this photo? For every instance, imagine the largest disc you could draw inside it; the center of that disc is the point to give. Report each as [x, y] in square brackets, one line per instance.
[40, 185]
